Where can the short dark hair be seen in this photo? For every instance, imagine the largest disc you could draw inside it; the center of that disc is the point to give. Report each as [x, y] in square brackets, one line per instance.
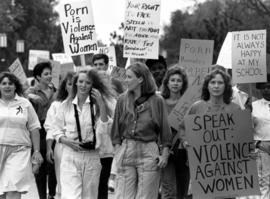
[165, 92]
[62, 91]
[14, 80]
[227, 95]
[38, 69]
[260, 85]
[101, 56]
[150, 62]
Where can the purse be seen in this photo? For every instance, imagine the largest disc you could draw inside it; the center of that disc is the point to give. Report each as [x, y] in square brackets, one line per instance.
[90, 145]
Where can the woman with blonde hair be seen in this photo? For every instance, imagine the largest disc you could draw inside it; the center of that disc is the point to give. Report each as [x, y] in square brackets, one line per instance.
[140, 121]
[79, 122]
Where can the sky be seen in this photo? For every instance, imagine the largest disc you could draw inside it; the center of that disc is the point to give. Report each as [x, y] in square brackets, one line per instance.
[108, 14]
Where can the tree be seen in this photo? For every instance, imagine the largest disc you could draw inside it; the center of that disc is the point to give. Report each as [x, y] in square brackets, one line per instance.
[33, 21]
[212, 20]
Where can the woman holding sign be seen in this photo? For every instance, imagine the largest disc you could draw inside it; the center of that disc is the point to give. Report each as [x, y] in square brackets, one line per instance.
[216, 97]
[140, 121]
[173, 87]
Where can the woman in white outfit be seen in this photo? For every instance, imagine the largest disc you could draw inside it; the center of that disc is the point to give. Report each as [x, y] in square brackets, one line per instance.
[78, 122]
[54, 156]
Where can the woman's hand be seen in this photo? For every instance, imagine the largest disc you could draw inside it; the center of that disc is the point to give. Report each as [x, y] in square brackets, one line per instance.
[49, 155]
[37, 157]
[162, 161]
[98, 97]
[75, 145]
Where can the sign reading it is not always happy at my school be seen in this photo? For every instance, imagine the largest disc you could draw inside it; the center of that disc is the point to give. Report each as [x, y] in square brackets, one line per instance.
[78, 28]
[142, 26]
[219, 154]
[249, 56]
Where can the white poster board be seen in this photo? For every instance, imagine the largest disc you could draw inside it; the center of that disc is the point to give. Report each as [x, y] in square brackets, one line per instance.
[34, 55]
[77, 26]
[219, 162]
[225, 53]
[196, 57]
[142, 27]
[62, 58]
[249, 56]
[110, 52]
[17, 69]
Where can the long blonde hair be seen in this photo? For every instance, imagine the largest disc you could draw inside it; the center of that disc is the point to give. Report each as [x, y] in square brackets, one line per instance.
[148, 87]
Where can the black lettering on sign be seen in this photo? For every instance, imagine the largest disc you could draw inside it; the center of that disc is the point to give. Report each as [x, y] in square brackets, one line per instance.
[69, 11]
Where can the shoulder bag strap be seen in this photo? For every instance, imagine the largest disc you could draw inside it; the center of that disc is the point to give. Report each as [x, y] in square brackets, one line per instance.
[77, 122]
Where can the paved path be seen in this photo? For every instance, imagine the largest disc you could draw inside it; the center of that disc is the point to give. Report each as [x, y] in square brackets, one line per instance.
[33, 194]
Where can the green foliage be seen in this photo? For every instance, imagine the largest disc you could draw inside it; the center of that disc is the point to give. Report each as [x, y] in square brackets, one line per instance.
[212, 20]
[33, 21]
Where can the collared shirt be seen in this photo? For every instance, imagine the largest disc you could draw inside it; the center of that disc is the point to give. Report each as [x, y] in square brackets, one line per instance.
[17, 118]
[48, 124]
[149, 124]
[40, 101]
[65, 122]
[261, 119]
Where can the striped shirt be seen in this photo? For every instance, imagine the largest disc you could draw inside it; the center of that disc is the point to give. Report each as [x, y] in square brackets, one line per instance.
[17, 119]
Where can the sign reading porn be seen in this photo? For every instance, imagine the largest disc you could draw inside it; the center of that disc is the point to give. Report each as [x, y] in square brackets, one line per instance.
[142, 26]
[219, 154]
[78, 28]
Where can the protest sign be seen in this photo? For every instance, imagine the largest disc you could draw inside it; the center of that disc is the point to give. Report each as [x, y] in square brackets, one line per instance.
[56, 70]
[34, 55]
[220, 144]
[62, 58]
[249, 56]
[17, 69]
[142, 26]
[110, 52]
[225, 53]
[192, 94]
[196, 57]
[119, 73]
[77, 26]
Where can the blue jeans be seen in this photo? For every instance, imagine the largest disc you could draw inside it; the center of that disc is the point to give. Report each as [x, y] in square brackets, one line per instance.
[139, 174]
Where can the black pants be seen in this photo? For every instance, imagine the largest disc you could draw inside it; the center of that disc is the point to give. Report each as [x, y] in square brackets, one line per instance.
[45, 168]
[182, 173]
[104, 177]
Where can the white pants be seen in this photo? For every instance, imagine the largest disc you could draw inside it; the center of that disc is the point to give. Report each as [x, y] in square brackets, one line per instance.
[79, 174]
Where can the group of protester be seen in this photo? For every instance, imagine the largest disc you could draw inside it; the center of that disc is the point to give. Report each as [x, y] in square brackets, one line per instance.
[90, 131]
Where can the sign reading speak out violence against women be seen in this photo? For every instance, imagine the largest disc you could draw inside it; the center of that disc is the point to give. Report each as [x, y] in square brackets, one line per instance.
[17, 69]
[249, 56]
[34, 55]
[142, 26]
[196, 57]
[78, 28]
[220, 145]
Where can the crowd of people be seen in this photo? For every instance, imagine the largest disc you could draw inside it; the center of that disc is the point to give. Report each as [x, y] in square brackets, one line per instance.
[93, 134]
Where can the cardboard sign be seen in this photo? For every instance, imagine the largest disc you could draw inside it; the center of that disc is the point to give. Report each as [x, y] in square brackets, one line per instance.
[110, 52]
[142, 26]
[62, 58]
[34, 55]
[56, 71]
[77, 26]
[17, 69]
[249, 56]
[219, 162]
[196, 56]
[225, 53]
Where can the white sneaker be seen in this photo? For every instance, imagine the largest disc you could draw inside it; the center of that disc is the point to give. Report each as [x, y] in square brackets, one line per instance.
[111, 186]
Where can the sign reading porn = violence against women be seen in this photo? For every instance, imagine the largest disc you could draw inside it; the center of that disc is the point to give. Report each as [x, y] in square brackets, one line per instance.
[249, 56]
[219, 154]
[78, 28]
[142, 26]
